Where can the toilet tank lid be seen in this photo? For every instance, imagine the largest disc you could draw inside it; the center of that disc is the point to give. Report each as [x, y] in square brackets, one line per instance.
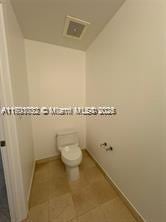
[65, 132]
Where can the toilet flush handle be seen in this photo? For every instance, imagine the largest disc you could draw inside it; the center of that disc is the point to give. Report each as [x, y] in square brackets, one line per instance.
[106, 147]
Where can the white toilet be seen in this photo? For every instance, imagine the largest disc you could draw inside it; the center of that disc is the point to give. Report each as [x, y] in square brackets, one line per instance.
[71, 154]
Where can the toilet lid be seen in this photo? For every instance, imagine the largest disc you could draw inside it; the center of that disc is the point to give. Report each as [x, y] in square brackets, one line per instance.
[71, 152]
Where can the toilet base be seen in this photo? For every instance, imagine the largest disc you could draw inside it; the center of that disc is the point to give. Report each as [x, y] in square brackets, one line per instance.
[72, 173]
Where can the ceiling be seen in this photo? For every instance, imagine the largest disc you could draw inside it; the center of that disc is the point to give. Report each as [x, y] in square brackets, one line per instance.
[43, 20]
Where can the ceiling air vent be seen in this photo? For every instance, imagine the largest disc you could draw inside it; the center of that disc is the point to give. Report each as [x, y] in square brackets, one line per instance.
[75, 28]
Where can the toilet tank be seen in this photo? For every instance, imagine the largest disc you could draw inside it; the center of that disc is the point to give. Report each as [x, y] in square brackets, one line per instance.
[66, 137]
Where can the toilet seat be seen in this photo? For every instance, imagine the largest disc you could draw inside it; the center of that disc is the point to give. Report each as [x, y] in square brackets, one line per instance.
[67, 142]
[71, 155]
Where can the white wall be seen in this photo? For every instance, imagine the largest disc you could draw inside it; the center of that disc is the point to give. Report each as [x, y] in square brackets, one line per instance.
[125, 69]
[163, 170]
[56, 78]
[16, 52]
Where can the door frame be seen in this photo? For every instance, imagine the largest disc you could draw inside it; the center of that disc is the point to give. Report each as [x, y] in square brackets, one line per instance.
[10, 155]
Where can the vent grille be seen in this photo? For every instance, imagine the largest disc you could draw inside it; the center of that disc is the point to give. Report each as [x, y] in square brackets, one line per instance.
[75, 28]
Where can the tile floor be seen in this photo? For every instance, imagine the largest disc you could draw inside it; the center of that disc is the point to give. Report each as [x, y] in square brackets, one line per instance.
[89, 199]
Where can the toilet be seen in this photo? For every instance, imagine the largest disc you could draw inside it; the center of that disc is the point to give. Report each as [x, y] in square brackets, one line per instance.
[71, 154]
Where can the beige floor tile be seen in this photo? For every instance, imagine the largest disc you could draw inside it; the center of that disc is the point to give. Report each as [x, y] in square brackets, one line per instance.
[58, 186]
[39, 194]
[89, 199]
[87, 162]
[87, 176]
[39, 213]
[74, 220]
[56, 169]
[116, 211]
[84, 200]
[61, 209]
[85, 153]
[95, 215]
[103, 191]
[41, 173]
[79, 184]
[92, 174]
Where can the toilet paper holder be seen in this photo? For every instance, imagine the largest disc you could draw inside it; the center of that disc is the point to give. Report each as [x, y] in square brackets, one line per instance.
[106, 147]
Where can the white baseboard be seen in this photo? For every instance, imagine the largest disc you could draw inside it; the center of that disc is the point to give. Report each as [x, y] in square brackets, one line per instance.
[128, 203]
[44, 160]
[31, 181]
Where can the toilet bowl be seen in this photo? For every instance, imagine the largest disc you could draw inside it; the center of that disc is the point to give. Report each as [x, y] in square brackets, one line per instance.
[71, 154]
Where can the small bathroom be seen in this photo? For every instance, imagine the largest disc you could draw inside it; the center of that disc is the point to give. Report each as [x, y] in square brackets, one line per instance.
[88, 141]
